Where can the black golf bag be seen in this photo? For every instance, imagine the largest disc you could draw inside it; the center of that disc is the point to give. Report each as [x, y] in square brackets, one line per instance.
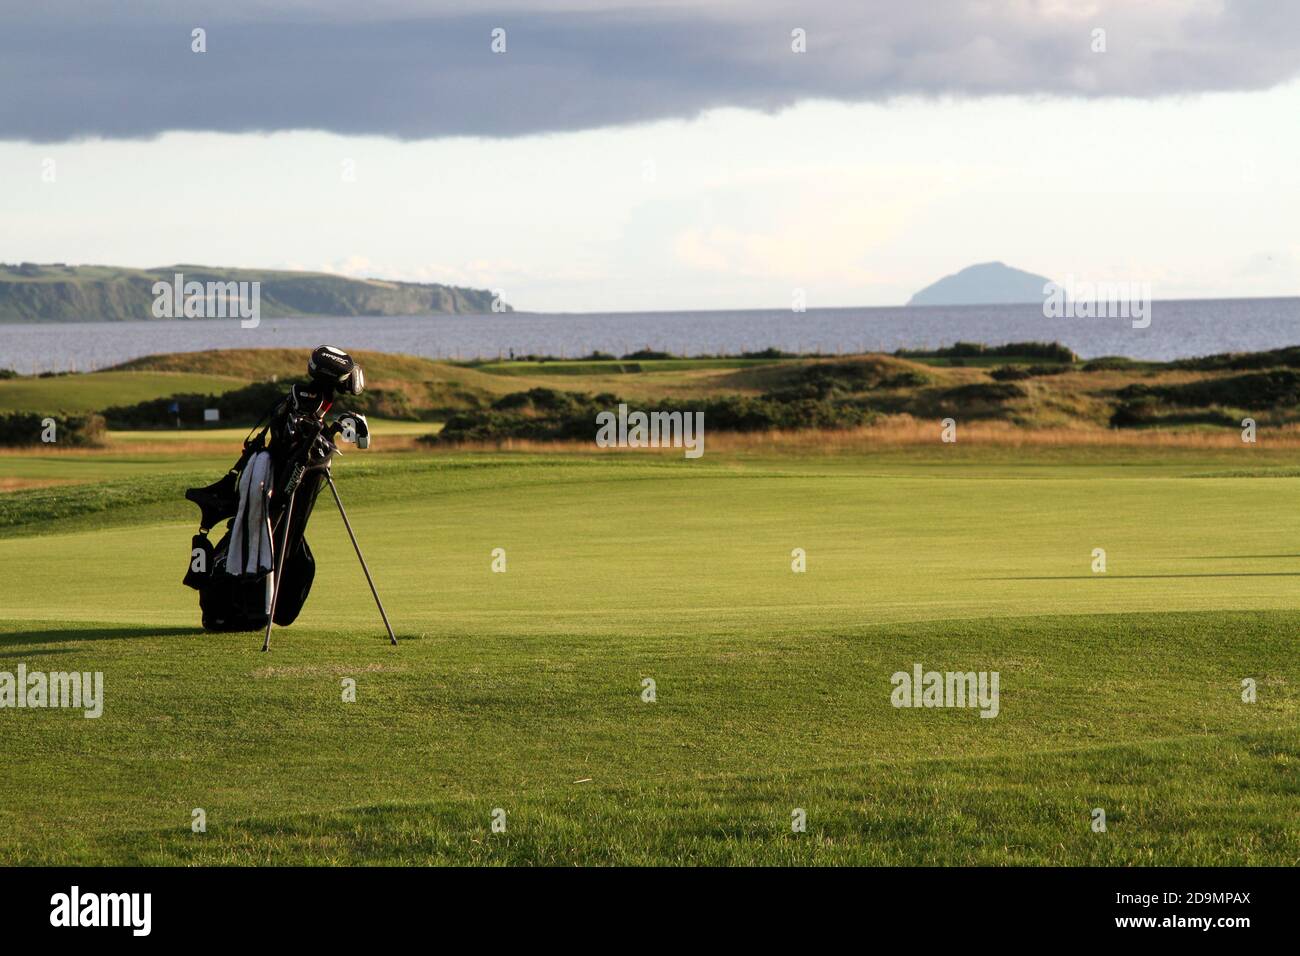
[300, 448]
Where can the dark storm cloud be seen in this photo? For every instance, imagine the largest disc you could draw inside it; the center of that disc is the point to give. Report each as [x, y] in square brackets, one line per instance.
[408, 71]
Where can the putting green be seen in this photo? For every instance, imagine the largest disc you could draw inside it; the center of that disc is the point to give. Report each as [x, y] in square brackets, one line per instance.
[522, 691]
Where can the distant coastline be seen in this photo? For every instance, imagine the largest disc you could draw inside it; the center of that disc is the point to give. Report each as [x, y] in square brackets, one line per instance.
[33, 292]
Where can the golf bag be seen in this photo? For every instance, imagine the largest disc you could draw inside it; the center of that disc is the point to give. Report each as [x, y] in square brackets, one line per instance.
[284, 463]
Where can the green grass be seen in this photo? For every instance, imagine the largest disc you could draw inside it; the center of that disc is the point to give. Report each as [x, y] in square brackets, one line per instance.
[616, 366]
[520, 691]
[100, 390]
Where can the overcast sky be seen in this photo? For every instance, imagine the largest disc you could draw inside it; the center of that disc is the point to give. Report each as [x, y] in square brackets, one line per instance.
[661, 156]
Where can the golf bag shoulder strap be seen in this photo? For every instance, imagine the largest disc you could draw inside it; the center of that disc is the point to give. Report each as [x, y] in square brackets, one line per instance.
[255, 443]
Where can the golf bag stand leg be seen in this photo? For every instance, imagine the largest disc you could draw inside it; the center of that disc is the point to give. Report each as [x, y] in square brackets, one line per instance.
[279, 568]
[369, 580]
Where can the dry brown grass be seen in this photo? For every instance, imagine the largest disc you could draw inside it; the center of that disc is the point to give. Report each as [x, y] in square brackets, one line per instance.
[72, 451]
[19, 484]
[198, 448]
[903, 431]
[116, 448]
[892, 432]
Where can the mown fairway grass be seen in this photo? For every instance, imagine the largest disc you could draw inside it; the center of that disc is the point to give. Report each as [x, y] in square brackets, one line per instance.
[521, 690]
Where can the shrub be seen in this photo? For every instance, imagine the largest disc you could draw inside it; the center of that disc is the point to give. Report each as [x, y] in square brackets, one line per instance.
[240, 406]
[1047, 351]
[644, 354]
[1109, 363]
[1134, 414]
[1279, 387]
[1140, 414]
[1242, 361]
[19, 429]
[1016, 373]
[1142, 404]
[380, 402]
[827, 380]
[537, 400]
[985, 393]
[908, 378]
[544, 414]
[1010, 373]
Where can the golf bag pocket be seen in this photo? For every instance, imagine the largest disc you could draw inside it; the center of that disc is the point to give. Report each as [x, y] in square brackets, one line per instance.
[200, 570]
[232, 603]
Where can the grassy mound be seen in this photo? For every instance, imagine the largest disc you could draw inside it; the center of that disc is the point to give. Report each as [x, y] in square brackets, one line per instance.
[398, 386]
[1274, 395]
[1027, 385]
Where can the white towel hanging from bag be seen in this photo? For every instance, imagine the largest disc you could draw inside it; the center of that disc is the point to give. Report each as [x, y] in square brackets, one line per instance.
[250, 535]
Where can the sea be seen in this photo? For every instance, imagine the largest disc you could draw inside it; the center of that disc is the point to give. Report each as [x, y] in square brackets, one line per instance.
[1178, 329]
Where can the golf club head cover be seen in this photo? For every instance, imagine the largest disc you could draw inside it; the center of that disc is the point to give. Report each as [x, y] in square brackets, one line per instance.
[355, 429]
[335, 369]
